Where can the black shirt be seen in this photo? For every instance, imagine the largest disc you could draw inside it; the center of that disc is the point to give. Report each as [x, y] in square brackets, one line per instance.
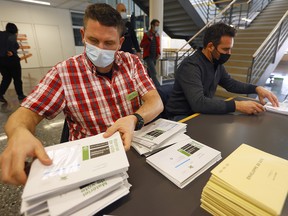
[8, 42]
[196, 81]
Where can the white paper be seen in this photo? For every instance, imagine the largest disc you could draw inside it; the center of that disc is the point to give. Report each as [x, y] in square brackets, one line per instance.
[67, 203]
[155, 133]
[105, 201]
[142, 150]
[282, 109]
[184, 161]
[76, 163]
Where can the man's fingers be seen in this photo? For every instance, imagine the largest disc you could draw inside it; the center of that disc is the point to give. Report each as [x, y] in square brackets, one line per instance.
[5, 167]
[273, 99]
[127, 139]
[42, 156]
[110, 131]
[261, 99]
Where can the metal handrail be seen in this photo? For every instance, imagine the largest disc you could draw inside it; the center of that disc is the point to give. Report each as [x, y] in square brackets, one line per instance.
[266, 53]
[270, 35]
[208, 24]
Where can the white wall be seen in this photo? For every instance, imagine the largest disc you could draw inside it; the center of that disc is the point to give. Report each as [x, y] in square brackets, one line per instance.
[49, 31]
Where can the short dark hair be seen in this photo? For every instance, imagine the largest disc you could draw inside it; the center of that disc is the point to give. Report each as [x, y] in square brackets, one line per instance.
[154, 21]
[105, 15]
[214, 33]
[11, 28]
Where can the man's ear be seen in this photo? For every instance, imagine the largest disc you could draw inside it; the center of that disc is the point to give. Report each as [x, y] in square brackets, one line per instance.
[82, 31]
[121, 41]
[210, 47]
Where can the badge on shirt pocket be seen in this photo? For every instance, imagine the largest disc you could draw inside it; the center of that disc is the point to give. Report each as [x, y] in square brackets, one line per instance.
[132, 95]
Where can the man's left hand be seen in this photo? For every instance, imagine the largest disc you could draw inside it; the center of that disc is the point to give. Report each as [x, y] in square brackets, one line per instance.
[125, 126]
[264, 93]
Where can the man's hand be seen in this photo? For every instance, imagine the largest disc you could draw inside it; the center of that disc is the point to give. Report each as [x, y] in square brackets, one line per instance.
[125, 126]
[264, 93]
[138, 54]
[249, 107]
[12, 161]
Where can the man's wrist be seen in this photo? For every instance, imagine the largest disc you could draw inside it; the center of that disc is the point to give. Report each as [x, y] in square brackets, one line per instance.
[139, 121]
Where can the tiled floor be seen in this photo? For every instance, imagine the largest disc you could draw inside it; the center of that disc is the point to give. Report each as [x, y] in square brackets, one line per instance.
[49, 131]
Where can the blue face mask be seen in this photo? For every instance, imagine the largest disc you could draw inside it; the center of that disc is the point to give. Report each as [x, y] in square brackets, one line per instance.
[99, 57]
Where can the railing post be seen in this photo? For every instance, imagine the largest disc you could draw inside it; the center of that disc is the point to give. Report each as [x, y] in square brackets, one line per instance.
[248, 12]
[249, 74]
[208, 13]
[176, 62]
[262, 5]
[230, 15]
[277, 42]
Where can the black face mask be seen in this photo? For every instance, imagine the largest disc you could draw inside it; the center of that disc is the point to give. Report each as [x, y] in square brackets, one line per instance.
[222, 59]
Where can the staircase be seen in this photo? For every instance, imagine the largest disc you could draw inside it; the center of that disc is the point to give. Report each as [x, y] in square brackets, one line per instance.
[248, 41]
[181, 20]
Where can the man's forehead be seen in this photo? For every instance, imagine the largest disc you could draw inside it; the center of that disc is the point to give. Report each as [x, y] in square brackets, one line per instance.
[225, 40]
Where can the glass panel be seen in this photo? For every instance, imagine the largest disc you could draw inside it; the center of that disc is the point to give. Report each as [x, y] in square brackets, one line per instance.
[77, 18]
[77, 37]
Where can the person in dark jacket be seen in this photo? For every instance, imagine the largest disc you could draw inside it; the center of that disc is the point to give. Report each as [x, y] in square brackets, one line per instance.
[197, 78]
[10, 67]
[130, 43]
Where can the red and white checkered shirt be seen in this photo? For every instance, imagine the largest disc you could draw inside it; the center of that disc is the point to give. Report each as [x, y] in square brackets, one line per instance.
[90, 102]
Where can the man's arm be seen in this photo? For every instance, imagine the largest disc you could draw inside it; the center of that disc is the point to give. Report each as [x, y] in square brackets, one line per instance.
[150, 109]
[145, 42]
[248, 107]
[21, 144]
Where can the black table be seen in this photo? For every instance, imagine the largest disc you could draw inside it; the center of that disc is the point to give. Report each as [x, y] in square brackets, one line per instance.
[153, 194]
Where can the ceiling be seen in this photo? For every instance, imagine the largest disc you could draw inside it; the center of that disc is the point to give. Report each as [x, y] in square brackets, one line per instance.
[77, 5]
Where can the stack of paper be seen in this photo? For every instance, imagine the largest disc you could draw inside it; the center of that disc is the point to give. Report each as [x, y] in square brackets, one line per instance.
[158, 135]
[282, 109]
[247, 182]
[182, 162]
[90, 171]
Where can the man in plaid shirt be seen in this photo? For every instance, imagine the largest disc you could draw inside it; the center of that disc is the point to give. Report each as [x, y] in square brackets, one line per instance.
[101, 90]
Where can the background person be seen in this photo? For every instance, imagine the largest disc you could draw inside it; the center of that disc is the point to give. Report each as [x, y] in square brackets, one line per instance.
[197, 78]
[130, 41]
[151, 49]
[100, 90]
[10, 67]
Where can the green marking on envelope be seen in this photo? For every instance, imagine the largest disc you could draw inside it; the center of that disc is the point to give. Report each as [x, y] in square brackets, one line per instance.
[132, 95]
[85, 153]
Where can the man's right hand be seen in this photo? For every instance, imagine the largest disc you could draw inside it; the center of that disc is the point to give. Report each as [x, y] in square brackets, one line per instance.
[21, 144]
[249, 107]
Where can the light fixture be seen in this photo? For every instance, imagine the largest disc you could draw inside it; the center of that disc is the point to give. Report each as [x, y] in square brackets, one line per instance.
[36, 2]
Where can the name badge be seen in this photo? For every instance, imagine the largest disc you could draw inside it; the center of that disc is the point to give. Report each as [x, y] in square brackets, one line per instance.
[132, 95]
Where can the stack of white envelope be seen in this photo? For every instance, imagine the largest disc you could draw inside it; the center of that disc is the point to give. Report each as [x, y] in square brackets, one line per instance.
[158, 135]
[184, 161]
[86, 176]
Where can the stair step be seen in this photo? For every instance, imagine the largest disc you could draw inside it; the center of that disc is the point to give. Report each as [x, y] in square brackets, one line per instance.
[240, 57]
[236, 70]
[252, 35]
[251, 40]
[241, 78]
[238, 44]
[239, 63]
